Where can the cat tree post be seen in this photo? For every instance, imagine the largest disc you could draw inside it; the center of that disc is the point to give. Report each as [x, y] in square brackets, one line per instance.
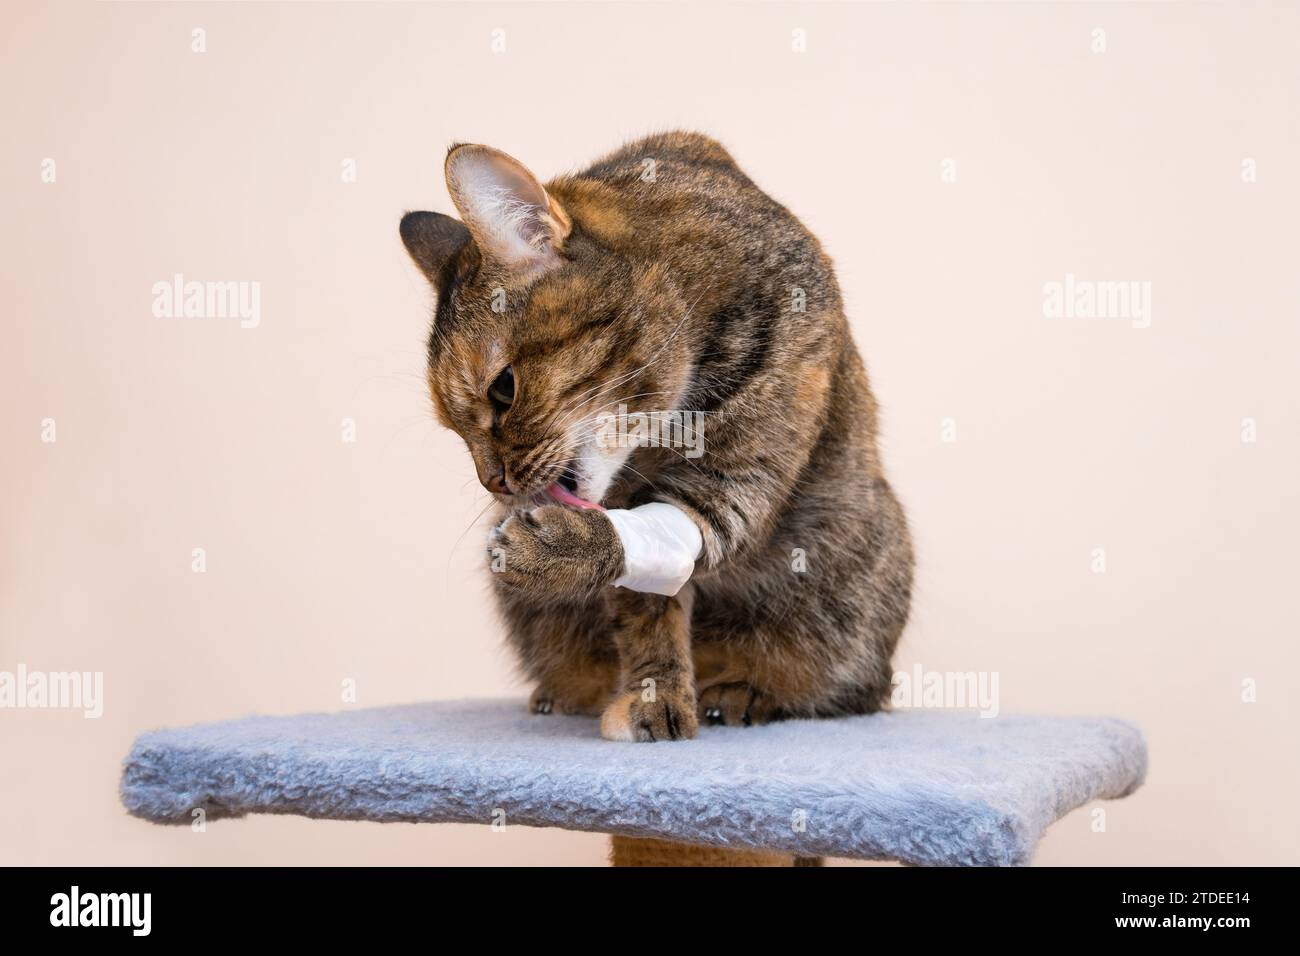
[645, 851]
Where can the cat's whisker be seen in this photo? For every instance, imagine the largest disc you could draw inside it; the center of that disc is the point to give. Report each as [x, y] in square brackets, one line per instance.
[468, 528]
[614, 401]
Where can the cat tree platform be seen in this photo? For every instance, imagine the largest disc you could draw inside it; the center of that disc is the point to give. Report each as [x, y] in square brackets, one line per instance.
[922, 787]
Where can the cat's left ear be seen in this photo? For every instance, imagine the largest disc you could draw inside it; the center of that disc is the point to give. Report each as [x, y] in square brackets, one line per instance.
[512, 218]
[432, 239]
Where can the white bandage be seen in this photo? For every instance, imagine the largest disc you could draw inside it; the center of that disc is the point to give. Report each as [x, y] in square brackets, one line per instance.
[660, 546]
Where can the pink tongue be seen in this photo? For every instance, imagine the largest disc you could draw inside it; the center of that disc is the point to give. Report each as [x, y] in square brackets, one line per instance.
[566, 497]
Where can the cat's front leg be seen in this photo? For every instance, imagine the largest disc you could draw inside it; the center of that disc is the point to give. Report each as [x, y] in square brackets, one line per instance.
[657, 698]
[554, 554]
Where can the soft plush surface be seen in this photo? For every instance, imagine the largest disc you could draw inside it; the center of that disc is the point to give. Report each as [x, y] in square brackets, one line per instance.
[925, 787]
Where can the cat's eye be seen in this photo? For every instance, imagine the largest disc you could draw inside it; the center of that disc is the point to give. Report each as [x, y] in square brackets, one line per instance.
[502, 390]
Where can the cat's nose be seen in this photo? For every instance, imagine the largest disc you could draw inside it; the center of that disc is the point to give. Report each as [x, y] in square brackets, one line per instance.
[497, 484]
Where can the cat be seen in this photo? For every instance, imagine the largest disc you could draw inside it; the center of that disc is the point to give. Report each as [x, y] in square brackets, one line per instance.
[659, 278]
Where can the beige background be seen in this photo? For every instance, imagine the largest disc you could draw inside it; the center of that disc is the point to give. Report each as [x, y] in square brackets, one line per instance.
[330, 561]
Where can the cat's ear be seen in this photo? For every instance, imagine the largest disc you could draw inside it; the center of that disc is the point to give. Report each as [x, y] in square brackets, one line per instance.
[432, 239]
[513, 220]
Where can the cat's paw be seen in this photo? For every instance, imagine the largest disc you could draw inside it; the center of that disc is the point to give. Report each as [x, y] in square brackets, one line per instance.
[736, 705]
[668, 715]
[554, 551]
[541, 702]
[545, 701]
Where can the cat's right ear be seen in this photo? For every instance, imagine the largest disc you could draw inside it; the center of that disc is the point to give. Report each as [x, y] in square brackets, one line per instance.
[514, 221]
[432, 239]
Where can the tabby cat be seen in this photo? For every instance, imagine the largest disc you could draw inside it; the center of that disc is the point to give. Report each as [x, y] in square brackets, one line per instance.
[663, 278]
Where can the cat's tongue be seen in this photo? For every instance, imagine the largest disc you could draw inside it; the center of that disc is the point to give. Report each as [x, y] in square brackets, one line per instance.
[566, 497]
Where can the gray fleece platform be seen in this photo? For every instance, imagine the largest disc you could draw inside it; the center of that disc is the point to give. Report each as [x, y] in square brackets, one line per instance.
[926, 787]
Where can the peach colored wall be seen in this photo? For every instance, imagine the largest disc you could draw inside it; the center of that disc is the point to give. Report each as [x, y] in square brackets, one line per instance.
[329, 560]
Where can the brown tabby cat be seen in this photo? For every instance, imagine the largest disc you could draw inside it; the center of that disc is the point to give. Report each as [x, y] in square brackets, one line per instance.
[663, 278]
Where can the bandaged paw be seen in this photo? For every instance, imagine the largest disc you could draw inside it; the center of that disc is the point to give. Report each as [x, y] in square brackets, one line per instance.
[660, 547]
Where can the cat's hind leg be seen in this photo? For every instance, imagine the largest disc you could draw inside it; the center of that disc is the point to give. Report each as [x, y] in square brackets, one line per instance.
[584, 688]
[736, 704]
[753, 667]
[566, 651]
